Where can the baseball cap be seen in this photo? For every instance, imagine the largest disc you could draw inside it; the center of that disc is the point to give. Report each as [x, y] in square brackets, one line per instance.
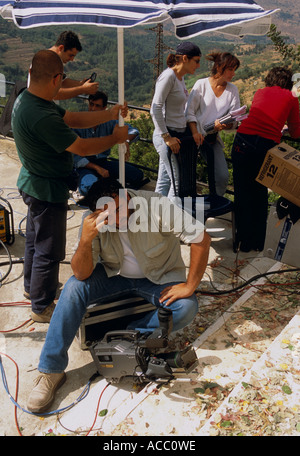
[188, 48]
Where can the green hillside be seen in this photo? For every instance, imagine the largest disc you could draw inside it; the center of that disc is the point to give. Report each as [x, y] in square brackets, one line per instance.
[100, 54]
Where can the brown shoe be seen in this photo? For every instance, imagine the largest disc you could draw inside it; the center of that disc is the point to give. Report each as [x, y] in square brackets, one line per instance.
[26, 295]
[45, 316]
[42, 395]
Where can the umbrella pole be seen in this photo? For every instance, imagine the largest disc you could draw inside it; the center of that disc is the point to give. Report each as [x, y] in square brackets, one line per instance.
[121, 147]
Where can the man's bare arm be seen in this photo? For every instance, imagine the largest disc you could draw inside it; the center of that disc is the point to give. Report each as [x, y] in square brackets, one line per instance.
[92, 146]
[71, 88]
[88, 119]
[198, 263]
[82, 261]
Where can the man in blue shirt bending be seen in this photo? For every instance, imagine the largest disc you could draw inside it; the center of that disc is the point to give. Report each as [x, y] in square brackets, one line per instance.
[90, 168]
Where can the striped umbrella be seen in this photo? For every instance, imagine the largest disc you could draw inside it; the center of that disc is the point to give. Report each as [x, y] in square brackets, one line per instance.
[190, 18]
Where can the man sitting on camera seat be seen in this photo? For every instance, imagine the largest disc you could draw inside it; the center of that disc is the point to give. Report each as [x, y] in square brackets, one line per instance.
[130, 242]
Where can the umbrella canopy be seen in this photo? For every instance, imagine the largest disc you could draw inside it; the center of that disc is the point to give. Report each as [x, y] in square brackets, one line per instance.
[190, 18]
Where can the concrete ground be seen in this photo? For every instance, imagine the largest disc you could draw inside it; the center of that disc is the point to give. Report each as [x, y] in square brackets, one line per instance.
[124, 408]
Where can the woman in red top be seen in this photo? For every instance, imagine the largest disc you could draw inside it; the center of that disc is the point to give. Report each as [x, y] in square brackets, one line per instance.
[272, 107]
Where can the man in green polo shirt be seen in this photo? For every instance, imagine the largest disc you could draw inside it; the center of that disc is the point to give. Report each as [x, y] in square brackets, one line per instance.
[46, 143]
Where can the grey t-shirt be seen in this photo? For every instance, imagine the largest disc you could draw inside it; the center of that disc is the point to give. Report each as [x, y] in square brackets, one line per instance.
[169, 101]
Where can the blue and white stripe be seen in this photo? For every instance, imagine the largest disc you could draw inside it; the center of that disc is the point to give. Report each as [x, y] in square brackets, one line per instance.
[190, 17]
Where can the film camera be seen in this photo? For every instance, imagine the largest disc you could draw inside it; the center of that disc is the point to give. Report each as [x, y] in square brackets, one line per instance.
[132, 353]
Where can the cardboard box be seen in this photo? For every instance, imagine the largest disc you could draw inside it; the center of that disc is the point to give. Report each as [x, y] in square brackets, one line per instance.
[280, 172]
[282, 239]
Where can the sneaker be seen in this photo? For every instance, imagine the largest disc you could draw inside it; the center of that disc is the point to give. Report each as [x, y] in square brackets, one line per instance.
[26, 295]
[45, 316]
[42, 395]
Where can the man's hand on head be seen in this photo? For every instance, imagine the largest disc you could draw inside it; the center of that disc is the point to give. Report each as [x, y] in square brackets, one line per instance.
[92, 224]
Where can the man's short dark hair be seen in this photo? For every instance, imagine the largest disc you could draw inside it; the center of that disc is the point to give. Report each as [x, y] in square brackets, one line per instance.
[279, 76]
[99, 96]
[69, 40]
[103, 187]
[45, 65]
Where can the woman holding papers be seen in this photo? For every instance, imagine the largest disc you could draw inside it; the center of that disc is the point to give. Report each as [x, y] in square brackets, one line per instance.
[271, 108]
[210, 99]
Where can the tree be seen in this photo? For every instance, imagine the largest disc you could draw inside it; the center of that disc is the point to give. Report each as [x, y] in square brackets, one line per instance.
[288, 51]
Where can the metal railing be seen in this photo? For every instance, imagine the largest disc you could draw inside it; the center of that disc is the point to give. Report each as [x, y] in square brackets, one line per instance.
[143, 109]
[7, 83]
[110, 102]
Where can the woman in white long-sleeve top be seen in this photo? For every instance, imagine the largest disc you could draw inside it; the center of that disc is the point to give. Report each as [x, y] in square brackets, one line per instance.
[210, 99]
[167, 111]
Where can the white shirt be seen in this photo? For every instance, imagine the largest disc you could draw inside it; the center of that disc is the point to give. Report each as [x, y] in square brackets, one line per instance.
[130, 267]
[203, 107]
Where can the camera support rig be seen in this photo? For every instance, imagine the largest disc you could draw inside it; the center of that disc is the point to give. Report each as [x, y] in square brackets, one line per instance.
[132, 353]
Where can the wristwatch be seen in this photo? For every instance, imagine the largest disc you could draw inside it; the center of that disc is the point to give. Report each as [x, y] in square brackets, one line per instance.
[165, 136]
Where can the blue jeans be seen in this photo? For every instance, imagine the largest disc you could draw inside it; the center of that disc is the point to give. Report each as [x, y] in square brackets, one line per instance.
[87, 177]
[164, 183]
[78, 295]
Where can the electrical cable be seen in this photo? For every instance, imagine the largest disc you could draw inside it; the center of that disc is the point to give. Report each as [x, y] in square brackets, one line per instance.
[18, 327]
[77, 432]
[216, 293]
[20, 232]
[16, 395]
[15, 304]
[10, 262]
[247, 282]
[96, 414]
[82, 395]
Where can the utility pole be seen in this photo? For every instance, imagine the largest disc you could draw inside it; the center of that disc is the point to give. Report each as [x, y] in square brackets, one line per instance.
[158, 56]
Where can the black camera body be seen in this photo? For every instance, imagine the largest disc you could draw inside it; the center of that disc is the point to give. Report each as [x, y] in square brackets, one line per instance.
[130, 353]
[93, 77]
